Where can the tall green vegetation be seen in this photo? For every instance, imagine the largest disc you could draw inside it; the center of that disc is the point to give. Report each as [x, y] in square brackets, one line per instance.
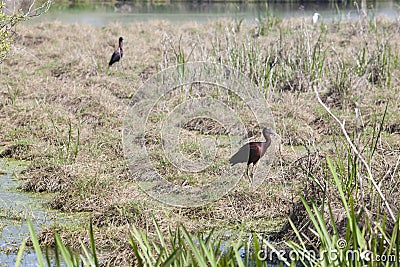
[364, 242]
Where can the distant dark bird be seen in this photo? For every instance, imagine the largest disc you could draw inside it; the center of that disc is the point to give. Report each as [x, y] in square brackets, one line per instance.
[117, 55]
[252, 152]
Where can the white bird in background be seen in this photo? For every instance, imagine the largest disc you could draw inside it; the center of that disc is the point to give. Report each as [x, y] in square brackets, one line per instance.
[315, 18]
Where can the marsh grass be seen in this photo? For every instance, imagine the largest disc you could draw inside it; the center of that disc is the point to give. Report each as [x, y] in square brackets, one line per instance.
[176, 248]
[334, 245]
[68, 121]
[69, 145]
[361, 233]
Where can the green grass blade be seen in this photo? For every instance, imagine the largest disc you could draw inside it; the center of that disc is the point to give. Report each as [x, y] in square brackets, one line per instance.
[209, 253]
[171, 258]
[322, 224]
[136, 250]
[311, 216]
[48, 260]
[20, 253]
[144, 246]
[93, 245]
[198, 257]
[88, 259]
[160, 235]
[160, 257]
[36, 246]
[339, 186]
[296, 231]
[239, 260]
[376, 141]
[257, 248]
[66, 254]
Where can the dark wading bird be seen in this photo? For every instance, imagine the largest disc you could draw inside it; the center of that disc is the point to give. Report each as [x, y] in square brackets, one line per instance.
[252, 152]
[117, 55]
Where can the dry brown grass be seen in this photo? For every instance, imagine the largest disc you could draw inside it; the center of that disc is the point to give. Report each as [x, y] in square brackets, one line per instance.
[63, 109]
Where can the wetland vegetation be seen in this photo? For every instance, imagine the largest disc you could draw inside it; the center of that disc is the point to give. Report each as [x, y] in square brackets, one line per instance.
[62, 109]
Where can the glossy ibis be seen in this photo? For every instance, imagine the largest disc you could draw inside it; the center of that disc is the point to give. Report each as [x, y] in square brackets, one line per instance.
[252, 152]
[117, 55]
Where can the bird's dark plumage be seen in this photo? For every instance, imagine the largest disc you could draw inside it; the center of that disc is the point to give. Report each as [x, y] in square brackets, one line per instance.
[117, 55]
[252, 152]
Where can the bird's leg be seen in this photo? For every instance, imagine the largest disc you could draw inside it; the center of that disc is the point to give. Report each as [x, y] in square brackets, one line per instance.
[250, 177]
[252, 174]
[255, 167]
[122, 65]
[247, 171]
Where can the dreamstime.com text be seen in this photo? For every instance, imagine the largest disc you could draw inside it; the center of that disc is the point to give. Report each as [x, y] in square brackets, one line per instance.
[341, 254]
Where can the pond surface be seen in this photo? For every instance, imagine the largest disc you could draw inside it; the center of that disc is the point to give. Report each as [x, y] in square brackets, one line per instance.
[16, 208]
[102, 13]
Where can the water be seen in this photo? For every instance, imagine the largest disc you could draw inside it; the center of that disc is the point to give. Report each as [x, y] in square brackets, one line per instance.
[101, 13]
[16, 208]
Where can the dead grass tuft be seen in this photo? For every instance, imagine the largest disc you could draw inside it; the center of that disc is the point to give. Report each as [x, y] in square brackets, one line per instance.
[50, 178]
[205, 126]
[16, 151]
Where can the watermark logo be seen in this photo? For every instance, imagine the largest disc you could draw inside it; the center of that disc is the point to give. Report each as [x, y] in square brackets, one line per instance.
[341, 243]
[341, 253]
[164, 107]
